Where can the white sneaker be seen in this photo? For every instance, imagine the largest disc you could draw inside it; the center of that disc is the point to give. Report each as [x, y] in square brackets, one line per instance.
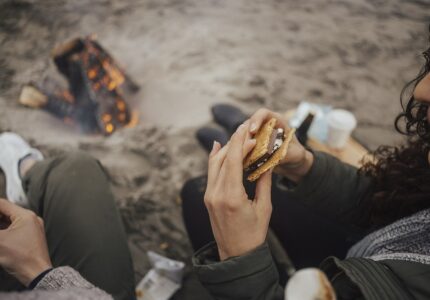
[12, 150]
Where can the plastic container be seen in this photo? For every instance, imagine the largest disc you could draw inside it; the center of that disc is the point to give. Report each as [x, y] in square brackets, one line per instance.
[340, 123]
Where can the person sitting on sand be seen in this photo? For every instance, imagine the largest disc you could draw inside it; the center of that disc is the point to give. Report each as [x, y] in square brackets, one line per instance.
[61, 235]
[373, 224]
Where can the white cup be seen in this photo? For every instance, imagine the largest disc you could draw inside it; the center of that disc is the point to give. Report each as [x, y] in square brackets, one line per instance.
[341, 123]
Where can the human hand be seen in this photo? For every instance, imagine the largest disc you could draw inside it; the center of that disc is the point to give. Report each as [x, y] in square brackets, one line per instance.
[298, 160]
[23, 249]
[239, 225]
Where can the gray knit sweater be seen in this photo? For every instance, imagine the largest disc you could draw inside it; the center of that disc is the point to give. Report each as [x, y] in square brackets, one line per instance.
[406, 239]
[63, 283]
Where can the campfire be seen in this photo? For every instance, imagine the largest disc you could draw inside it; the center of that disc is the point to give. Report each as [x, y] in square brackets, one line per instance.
[97, 87]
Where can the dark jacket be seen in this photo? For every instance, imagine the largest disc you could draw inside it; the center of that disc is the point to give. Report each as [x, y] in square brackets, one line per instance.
[338, 191]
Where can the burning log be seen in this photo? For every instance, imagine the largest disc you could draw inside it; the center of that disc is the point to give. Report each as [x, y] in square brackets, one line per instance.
[95, 98]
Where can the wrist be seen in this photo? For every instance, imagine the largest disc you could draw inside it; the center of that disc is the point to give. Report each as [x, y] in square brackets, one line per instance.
[38, 278]
[226, 254]
[33, 271]
[295, 172]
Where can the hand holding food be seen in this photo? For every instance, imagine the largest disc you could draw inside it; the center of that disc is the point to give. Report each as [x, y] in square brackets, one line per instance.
[239, 224]
[270, 149]
[291, 158]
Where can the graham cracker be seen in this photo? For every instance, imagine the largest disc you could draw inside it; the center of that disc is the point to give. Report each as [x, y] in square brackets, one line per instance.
[275, 159]
[262, 139]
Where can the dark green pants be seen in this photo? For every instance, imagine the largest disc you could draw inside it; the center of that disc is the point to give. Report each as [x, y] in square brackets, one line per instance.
[83, 227]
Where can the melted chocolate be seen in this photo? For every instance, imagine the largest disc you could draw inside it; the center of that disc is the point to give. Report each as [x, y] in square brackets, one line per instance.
[273, 146]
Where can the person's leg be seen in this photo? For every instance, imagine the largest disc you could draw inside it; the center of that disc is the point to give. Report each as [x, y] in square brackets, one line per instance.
[195, 215]
[83, 226]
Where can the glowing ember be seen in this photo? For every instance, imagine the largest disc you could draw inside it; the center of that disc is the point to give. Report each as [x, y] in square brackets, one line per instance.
[68, 97]
[109, 128]
[106, 118]
[120, 105]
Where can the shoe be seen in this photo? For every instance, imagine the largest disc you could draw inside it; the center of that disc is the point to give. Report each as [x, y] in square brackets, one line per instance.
[207, 135]
[12, 150]
[228, 116]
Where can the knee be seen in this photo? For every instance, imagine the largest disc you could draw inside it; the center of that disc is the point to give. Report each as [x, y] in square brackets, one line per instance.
[79, 158]
[81, 163]
[192, 192]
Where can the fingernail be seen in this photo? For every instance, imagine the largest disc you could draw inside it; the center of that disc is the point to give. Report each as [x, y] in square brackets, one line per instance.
[253, 141]
[213, 146]
[253, 127]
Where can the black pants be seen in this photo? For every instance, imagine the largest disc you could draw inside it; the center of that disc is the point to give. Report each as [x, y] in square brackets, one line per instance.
[83, 226]
[306, 236]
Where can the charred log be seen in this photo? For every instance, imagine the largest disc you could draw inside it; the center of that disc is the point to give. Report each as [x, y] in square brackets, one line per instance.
[96, 88]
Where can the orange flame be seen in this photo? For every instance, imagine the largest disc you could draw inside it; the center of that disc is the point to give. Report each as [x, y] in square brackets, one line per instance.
[105, 75]
[111, 85]
[114, 73]
[109, 128]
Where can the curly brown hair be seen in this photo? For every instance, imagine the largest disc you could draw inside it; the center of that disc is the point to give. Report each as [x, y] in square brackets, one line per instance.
[402, 174]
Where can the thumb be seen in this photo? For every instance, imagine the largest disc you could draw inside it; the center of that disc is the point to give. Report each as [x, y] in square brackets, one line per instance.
[263, 192]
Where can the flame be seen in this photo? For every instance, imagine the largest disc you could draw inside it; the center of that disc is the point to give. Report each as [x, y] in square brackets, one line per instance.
[134, 119]
[112, 85]
[109, 128]
[115, 75]
[106, 78]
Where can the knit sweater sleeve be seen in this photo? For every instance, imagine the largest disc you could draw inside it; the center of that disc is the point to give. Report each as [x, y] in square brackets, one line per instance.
[61, 283]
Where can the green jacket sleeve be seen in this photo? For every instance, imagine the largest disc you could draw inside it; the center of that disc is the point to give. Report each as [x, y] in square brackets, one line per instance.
[335, 189]
[251, 276]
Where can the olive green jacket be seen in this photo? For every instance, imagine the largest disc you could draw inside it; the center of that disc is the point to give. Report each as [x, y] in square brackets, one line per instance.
[338, 191]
